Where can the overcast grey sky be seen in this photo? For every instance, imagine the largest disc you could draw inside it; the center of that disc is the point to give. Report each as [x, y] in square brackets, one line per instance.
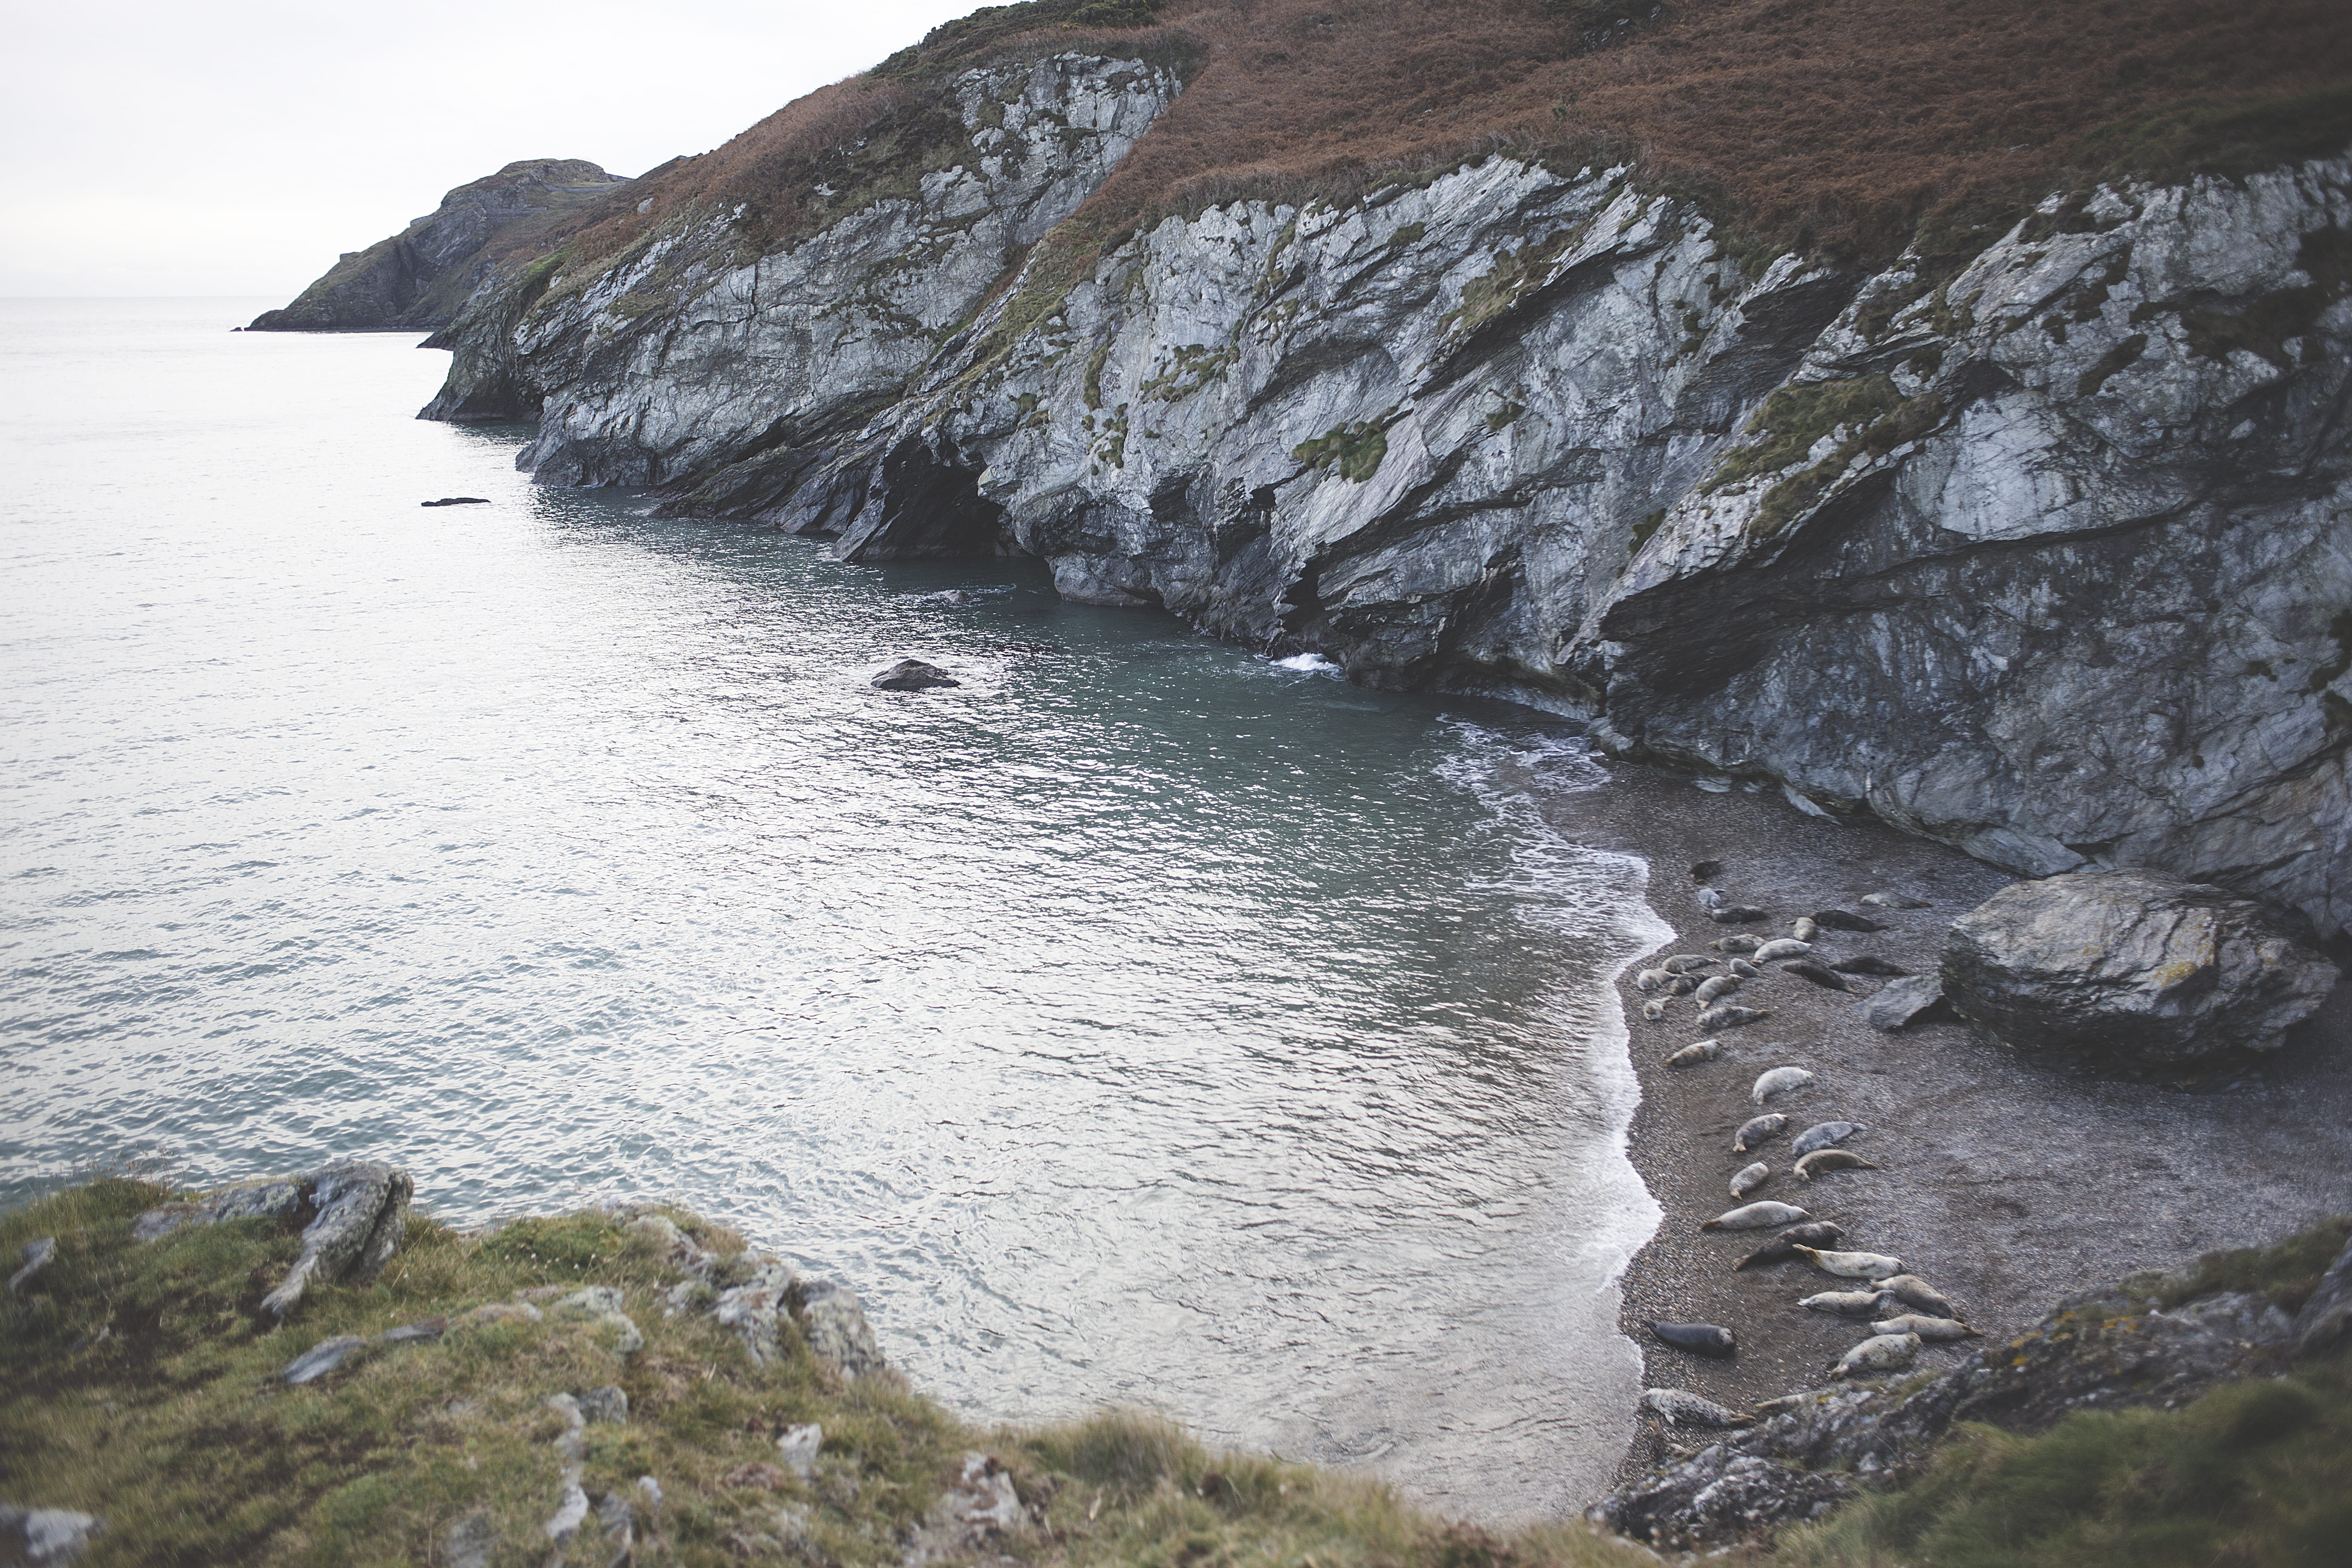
[237, 148]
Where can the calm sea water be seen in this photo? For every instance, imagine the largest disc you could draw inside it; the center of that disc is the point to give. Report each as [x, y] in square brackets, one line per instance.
[1141, 1022]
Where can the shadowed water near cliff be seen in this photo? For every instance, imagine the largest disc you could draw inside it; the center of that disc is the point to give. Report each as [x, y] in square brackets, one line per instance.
[1140, 1021]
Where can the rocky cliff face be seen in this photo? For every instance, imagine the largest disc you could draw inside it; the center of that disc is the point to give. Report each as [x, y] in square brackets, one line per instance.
[2047, 557]
[416, 280]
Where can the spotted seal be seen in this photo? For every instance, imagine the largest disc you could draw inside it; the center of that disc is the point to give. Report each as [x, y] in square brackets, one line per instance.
[1682, 985]
[1737, 914]
[1653, 1010]
[1652, 979]
[1684, 963]
[1726, 1015]
[1720, 985]
[1853, 1265]
[1757, 1216]
[1755, 1129]
[1699, 1339]
[1914, 1291]
[1847, 1303]
[1744, 970]
[1781, 947]
[1749, 1178]
[1778, 1080]
[1683, 1408]
[1743, 942]
[1822, 1161]
[1803, 928]
[1938, 1330]
[1697, 1051]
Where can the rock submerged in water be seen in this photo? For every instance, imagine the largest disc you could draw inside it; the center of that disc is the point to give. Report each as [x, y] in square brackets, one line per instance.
[2135, 966]
[913, 675]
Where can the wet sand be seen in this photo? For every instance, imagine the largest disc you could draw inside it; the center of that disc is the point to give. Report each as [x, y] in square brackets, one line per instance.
[2008, 1180]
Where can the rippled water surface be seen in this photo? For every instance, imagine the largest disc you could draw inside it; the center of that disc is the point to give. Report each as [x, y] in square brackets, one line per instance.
[1140, 1021]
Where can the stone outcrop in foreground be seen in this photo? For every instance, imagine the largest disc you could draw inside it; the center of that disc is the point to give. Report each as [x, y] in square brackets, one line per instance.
[416, 280]
[2151, 1340]
[2047, 556]
[2133, 966]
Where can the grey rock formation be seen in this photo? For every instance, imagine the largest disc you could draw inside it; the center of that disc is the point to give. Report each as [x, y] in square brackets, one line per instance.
[416, 280]
[2328, 1316]
[45, 1537]
[328, 1355]
[608, 1404]
[362, 1214]
[38, 1255]
[2046, 559]
[760, 1299]
[2132, 965]
[2101, 1350]
[1905, 1001]
[603, 1306]
[912, 675]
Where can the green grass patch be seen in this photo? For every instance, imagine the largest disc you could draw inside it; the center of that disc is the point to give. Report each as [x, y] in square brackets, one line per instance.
[139, 1382]
[2287, 1272]
[1357, 451]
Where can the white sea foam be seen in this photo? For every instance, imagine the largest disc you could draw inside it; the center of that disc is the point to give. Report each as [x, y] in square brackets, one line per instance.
[1312, 663]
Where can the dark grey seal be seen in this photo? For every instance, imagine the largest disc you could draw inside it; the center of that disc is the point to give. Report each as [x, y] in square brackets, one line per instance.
[1821, 1233]
[1867, 963]
[1824, 1135]
[1699, 1339]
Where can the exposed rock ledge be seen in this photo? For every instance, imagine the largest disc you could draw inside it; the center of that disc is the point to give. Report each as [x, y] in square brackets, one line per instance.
[2050, 559]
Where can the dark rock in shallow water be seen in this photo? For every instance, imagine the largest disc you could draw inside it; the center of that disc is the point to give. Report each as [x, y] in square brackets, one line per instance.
[913, 675]
[1906, 1002]
[457, 501]
[2131, 964]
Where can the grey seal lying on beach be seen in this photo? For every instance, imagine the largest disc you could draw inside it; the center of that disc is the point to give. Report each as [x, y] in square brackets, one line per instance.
[1757, 1216]
[1781, 947]
[1723, 1015]
[1880, 1353]
[1941, 1329]
[1684, 963]
[1820, 1161]
[1806, 969]
[1652, 979]
[1868, 964]
[1749, 1178]
[1853, 1265]
[1654, 1011]
[1894, 901]
[1756, 1129]
[1847, 1303]
[1821, 1233]
[1745, 969]
[1804, 929]
[1686, 1409]
[1720, 985]
[1737, 914]
[1743, 942]
[1699, 1339]
[1697, 1051]
[1778, 1080]
[1822, 1134]
[1914, 1291]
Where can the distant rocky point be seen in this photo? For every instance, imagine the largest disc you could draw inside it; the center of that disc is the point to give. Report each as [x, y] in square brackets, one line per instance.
[416, 280]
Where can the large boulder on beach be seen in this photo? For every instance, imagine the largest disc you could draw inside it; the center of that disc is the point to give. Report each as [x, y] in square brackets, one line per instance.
[2133, 965]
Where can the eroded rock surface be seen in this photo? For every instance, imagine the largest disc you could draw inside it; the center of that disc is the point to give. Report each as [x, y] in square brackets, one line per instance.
[360, 1210]
[2132, 965]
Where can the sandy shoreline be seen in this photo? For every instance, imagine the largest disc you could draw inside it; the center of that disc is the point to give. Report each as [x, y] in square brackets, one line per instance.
[2007, 1182]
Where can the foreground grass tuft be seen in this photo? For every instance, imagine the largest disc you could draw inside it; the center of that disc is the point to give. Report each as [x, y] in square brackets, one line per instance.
[140, 1383]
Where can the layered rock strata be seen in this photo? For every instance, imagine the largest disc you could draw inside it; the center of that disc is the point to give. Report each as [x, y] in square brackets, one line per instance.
[2049, 557]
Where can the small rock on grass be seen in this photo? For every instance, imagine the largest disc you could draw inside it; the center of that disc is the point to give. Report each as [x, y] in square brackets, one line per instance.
[328, 1355]
[37, 1256]
[608, 1404]
[45, 1537]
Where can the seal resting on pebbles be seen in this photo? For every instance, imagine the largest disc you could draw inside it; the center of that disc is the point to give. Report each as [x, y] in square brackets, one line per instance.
[1778, 1080]
[1686, 1409]
[1756, 1129]
[1937, 1330]
[1914, 1291]
[1821, 1233]
[1745, 969]
[1880, 1353]
[1652, 979]
[1654, 1010]
[1844, 919]
[1684, 963]
[1893, 901]
[1759, 1216]
[1822, 1134]
[1697, 1051]
[1699, 1339]
[1820, 1161]
[1806, 969]
[1847, 1303]
[1781, 947]
[1740, 943]
[1868, 964]
[1749, 1178]
[1738, 914]
[1854, 1265]
[1721, 985]
[1804, 929]
[1723, 1015]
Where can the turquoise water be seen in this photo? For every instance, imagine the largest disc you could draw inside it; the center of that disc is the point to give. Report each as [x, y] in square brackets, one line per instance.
[1140, 1021]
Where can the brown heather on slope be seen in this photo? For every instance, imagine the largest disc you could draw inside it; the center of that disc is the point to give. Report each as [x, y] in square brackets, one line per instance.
[1830, 126]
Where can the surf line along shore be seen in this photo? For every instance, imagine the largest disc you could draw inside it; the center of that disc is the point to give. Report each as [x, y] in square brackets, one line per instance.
[2006, 1181]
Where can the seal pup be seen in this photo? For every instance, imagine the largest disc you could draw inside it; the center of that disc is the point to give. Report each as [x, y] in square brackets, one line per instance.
[1934, 1329]
[1725, 1016]
[1848, 1304]
[1781, 947]
[1743, 942]
[1737, 914]
[1868, 964]
[1894, 901]
[1821, 1233]
[1652, 979]
[1756, 1129]
[1717, 985]
[1682, 1408]
[1844, 919]
[1759, 1216]
[1706, 897]
[1880, 1353]
[1822, 1134]
[1749, 1178]
[1697, 1051]
[1914, 1291]
[1803, 928]
[1653, 1010]
[1778, 1080]
[1684, 963]
[1699, 1339]
[1822, 1161]
[1745, 969]
[1806, 969]
[1854, 1265]
[1682, 985]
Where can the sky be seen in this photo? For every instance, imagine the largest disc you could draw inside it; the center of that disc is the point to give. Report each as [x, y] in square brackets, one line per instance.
[239, 147]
